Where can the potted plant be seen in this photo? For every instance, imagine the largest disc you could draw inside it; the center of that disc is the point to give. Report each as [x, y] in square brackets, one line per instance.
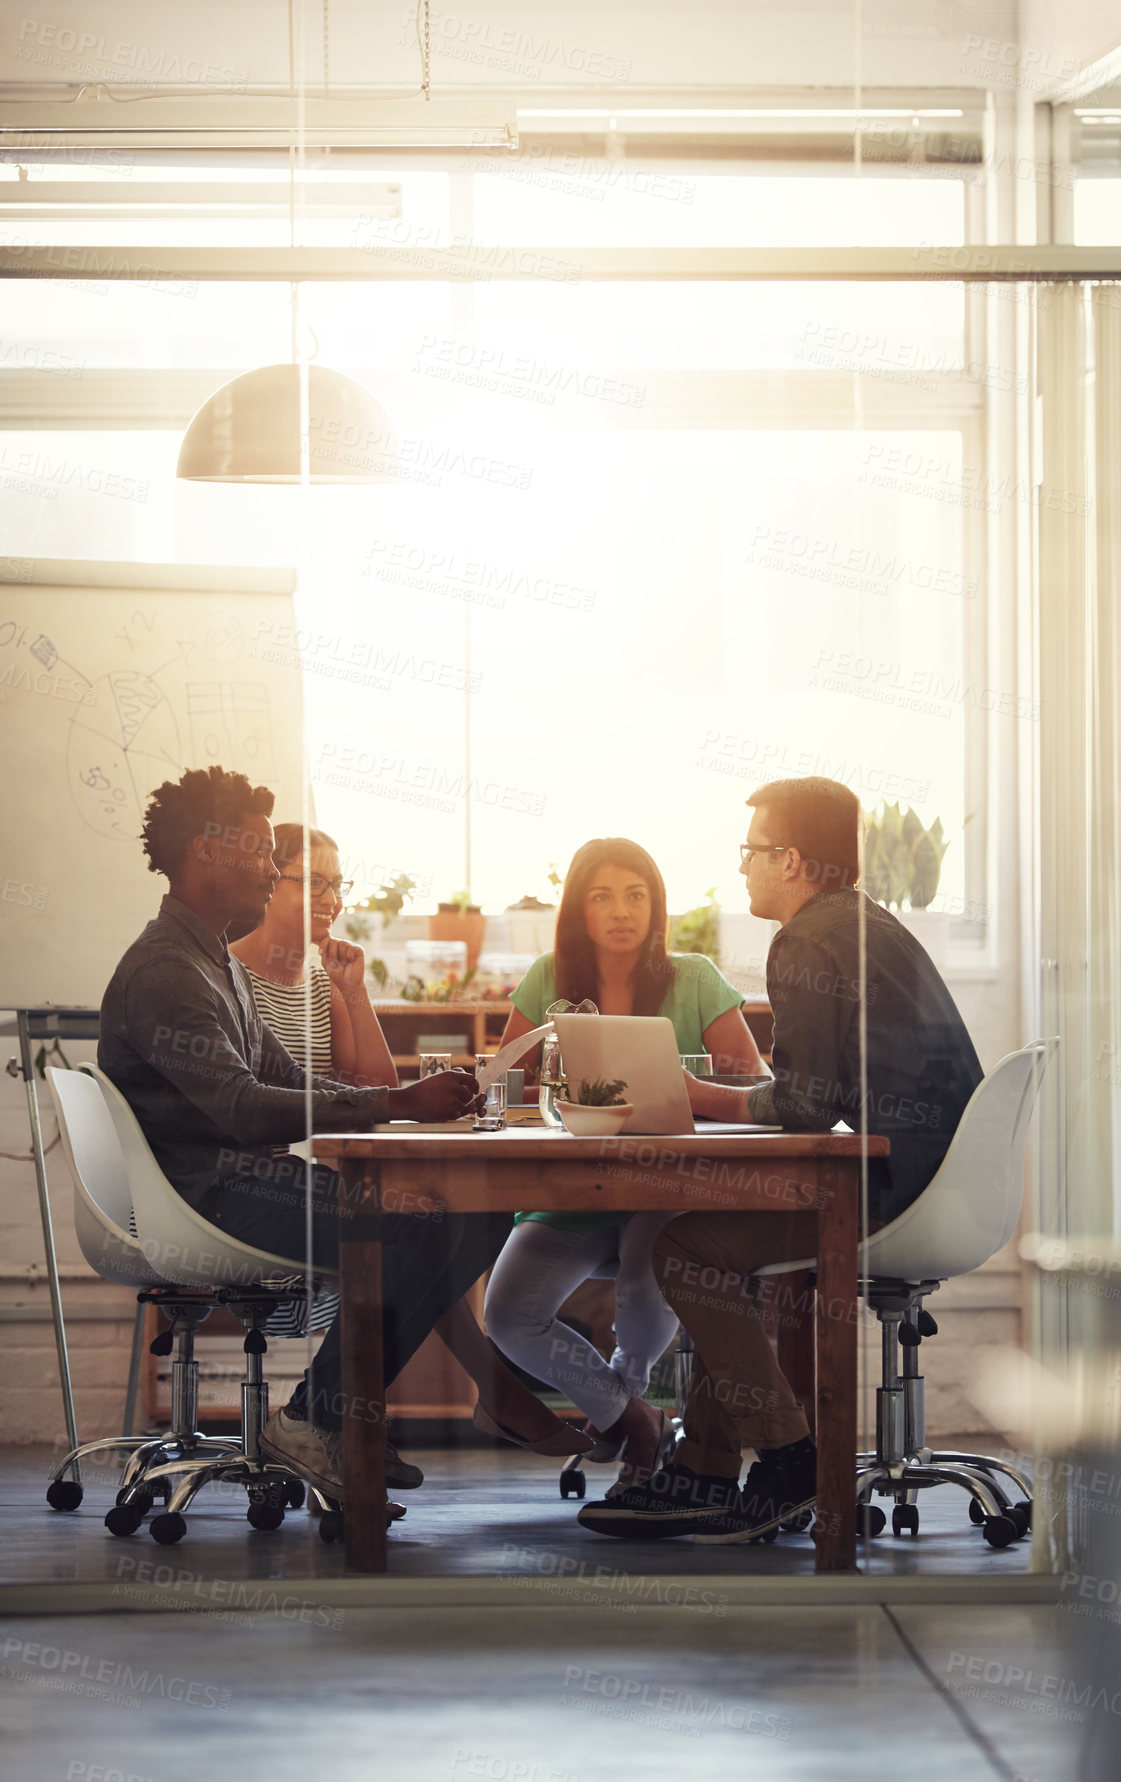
[902, 867]
[460, 920]
[698, 930]
[599, 1110]
[382, 907]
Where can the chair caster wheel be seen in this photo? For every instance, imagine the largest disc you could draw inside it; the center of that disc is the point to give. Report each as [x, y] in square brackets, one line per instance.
[168, 1528]
[1023, 1508]
[976, 1513]
[764, 1540]
[64, 1494]
[136, 1497]
[905, 1519]
[124, 1520]
[331, 1526]
[266, 1517]
[1000, 1531]
[297, 1496]
[572, 1482]
[798, 1524]
[1021, 1517]
[870, 1519]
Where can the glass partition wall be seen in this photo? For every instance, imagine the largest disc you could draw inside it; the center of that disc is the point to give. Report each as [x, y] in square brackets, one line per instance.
[654, 545]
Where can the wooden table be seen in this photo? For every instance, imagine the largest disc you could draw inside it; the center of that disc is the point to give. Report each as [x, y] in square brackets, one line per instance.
[486, 1172]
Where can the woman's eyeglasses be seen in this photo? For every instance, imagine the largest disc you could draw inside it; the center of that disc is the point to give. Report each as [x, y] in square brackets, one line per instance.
[564, 1007]
[319, 886]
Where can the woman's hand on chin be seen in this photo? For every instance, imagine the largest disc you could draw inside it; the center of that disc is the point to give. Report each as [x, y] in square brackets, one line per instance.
[344, 963]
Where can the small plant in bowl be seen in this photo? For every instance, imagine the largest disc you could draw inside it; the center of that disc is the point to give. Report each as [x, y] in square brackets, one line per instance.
[599, 1110]
[598, 1092]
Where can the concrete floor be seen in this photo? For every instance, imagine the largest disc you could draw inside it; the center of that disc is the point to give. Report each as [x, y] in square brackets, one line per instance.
[588, 1665]
[538, 1695]
[482, 1513]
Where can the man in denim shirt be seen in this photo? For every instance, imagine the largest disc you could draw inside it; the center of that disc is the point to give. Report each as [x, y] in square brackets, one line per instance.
[220, 1100]
[919, 1069]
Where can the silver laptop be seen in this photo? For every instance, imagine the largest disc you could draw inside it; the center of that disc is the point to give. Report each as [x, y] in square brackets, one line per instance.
[641, 1050]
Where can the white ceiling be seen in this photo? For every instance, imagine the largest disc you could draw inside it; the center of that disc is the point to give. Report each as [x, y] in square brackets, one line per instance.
[626, 44]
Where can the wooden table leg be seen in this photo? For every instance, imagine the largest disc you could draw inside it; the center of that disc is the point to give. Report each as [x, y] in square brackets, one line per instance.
[795, 1337]
[363, 1407]
[835, 1326]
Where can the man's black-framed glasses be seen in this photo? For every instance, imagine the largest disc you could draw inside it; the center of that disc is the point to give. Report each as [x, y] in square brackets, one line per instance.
[747, 853]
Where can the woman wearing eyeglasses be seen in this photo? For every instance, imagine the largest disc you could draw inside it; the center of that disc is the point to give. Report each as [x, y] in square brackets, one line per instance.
[610, 949]
[345, 1042]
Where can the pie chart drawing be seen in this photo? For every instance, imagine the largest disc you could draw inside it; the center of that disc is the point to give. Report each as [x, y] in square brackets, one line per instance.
[119, 753]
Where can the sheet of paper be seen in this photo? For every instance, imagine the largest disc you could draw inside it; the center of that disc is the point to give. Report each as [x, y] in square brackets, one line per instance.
[501, 1062]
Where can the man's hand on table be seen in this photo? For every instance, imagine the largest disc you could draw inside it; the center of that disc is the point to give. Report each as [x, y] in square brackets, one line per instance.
[447, 1095]
[716, 1101]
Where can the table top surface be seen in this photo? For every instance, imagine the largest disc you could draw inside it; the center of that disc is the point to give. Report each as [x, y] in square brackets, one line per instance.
[535, 1143]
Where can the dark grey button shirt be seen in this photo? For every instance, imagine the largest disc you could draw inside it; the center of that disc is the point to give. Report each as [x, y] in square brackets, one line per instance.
[921, 1067]
[212, 1087]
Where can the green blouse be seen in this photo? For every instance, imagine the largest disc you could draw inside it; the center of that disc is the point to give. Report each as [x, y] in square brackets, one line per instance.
[698, 994]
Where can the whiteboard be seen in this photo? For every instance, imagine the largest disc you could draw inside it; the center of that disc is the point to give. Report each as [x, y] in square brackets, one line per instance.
[113, 678]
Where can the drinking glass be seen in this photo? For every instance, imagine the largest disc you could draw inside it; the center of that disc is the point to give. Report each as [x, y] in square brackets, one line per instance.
[551, 1080]
[493, 1116]
[700, 1063]
[552, 1066]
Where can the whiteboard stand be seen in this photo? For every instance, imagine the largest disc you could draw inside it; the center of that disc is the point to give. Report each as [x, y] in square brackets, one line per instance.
[50, 1024]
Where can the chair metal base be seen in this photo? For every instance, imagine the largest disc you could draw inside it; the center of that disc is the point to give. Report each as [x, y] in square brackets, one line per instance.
[271, 1489]
[183, 1441]
[902, 1466]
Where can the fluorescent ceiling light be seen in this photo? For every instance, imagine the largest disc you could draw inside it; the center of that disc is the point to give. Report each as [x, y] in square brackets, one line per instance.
[702, 114]
[201, 197]
[242, 121]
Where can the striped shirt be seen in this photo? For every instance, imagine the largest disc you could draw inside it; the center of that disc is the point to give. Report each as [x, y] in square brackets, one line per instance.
[283, 1007]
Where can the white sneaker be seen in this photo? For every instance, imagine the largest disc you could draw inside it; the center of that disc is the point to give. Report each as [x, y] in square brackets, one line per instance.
[314, 1453]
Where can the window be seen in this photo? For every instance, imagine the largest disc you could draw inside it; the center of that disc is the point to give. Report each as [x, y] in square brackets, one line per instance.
[674, 539]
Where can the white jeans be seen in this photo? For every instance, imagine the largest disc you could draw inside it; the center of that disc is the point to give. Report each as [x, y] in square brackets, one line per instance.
[539, 1267]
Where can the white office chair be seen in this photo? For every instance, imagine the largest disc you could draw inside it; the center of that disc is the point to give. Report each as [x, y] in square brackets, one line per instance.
[964, 1215]
[102, 1206]
[183, 1248]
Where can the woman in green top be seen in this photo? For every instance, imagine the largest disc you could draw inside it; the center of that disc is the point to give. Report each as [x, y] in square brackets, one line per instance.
[611, 948]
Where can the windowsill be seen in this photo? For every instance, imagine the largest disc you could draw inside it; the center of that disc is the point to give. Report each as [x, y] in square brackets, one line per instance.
[967, 971]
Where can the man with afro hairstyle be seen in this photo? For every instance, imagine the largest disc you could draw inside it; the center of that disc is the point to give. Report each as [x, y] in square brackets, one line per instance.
[220, 1100]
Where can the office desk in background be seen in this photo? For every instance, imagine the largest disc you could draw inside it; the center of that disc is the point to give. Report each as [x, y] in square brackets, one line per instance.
[487, 1172]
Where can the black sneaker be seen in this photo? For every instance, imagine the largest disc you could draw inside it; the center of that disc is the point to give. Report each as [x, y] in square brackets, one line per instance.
[402, 1475]
[673, 1501]
[781, 1485]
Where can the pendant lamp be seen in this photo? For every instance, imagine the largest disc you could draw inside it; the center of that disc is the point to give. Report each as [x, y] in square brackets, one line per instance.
[249, 431]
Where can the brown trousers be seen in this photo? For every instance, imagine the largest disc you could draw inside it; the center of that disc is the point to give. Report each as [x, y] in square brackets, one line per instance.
[739, 1397]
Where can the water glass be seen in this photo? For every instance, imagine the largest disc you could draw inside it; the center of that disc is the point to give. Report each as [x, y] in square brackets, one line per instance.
[700, 1063]
[433, 1062]
[551, 1080]
[493, 1116]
